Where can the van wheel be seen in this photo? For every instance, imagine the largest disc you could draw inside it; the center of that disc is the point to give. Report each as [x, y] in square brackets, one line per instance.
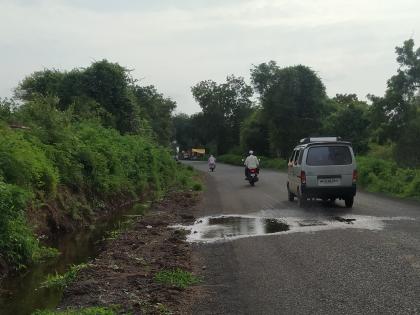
[302, 200]
[349, 202]
[291, 196]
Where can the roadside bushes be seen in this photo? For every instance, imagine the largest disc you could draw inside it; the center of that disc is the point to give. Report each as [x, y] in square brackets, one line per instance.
[24, 164]
[265, 162]
[97, 163]
[232, 159]
[113, 163]
[17, 243]
[378, 175]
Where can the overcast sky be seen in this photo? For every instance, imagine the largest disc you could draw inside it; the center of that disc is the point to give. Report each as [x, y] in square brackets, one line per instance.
[175, 44]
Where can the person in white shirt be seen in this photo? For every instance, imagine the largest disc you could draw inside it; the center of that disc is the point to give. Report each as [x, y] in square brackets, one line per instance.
[251, 162]
[212, 161]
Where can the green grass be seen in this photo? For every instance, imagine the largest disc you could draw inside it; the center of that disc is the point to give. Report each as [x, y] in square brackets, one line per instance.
[176, 277]
[188, 178]
[63, 280]
[82, 311]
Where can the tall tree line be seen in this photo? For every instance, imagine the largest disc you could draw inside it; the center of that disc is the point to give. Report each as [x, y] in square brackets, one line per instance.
[292, 104]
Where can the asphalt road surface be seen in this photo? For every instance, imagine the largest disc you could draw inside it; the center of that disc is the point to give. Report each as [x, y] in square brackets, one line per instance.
[332, 260]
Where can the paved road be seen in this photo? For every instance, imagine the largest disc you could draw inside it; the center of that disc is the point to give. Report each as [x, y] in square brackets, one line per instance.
[332, 271]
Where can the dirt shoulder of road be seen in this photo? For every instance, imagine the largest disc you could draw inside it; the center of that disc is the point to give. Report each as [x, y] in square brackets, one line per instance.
[123, 274]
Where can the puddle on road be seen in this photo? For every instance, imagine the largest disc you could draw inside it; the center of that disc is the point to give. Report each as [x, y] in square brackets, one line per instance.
[230, 227]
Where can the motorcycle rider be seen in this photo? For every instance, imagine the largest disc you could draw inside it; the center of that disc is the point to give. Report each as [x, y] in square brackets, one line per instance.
[251, 162]
[212, 161]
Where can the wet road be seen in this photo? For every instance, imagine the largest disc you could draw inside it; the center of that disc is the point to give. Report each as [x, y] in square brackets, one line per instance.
[330, 260]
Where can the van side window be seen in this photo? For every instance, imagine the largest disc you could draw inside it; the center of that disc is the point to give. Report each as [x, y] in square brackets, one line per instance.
[295, 158]
[300, 156]
[292, 156]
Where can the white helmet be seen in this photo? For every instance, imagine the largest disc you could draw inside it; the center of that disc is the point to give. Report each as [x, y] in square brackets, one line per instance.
[251, 152]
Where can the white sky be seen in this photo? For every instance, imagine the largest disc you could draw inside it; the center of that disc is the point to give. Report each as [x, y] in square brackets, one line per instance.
[175, 44]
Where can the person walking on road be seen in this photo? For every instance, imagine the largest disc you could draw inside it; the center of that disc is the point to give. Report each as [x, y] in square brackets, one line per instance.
[212, 163]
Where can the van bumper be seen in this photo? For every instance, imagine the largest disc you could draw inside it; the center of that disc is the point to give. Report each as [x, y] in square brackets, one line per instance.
[328, 192]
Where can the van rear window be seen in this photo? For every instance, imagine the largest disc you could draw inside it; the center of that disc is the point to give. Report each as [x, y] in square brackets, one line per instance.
[329, 155]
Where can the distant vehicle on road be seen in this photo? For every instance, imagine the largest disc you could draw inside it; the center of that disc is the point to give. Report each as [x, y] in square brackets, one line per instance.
[322, 167]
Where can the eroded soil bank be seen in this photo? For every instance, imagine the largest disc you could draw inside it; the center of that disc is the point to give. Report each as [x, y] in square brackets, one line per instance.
[123, 274]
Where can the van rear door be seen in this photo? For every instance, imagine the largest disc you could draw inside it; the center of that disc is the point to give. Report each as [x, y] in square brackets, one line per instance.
[329, 165]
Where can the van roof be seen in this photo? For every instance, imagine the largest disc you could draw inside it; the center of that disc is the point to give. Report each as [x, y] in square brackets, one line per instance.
[315, 143]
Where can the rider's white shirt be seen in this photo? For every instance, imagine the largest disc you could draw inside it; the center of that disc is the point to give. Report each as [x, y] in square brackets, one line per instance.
[251, 161]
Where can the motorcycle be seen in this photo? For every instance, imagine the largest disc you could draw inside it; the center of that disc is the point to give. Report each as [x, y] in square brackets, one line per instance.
[252, 176]
[212, 167]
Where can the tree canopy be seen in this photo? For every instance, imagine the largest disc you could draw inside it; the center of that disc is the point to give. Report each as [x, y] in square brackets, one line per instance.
[292, 100]
[292, 104]
[224, 107]
[104, 91]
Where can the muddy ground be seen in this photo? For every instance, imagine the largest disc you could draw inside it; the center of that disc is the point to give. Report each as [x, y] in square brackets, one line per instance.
[123, 274]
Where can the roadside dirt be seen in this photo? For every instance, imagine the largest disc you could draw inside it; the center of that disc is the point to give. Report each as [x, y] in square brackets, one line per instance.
[123, 274]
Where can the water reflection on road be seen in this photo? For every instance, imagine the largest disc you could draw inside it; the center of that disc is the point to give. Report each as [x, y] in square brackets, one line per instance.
[278, 222]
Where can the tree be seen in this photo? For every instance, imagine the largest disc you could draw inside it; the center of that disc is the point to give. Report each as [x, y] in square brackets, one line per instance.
[108, 84]
[395, 116]
[6, 109]
[254, 134]
[157, 109]
[348, 119]
[182, 131]
[40, 83]
[263, 76]
[407, 149]
[224, 107]
[392, 113]
[293, 101]
[104, 91]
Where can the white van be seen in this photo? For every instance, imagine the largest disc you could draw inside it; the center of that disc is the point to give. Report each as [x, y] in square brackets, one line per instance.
[322, 168]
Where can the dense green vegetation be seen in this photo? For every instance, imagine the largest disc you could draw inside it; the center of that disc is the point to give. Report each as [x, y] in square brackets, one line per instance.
[379, 175]
[292, 104]
[265, 162]
[78, 143]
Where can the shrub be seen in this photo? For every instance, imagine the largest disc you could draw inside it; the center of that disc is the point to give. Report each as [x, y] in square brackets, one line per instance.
[17, 243]
[265, 162]
[378, 175]
[24, 164]
[197, 186]
[232, 159]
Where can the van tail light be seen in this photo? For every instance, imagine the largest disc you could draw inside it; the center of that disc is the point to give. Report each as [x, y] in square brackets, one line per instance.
[302, 177]
[355, 176]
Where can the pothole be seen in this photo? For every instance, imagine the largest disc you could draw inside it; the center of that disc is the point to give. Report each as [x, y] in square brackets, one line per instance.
[234, 226]
[230, 227]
